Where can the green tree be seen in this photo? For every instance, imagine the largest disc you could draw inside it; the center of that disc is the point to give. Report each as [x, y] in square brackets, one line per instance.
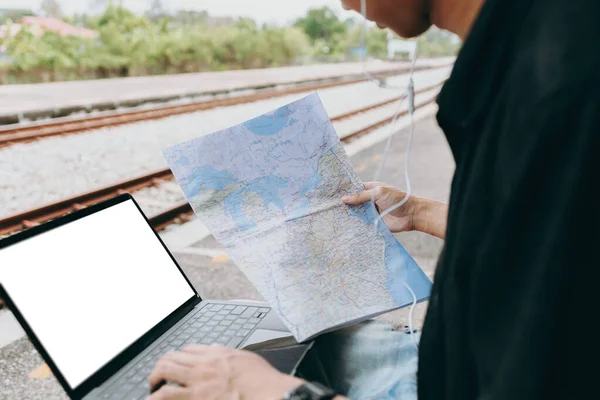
[129, 45]
[321, 23]
[375, 40]
[156, 10]
[437, 43]
[51, 8]
[190, 17]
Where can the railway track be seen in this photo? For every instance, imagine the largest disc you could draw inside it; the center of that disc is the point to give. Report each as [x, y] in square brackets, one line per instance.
[10, 135]
[180, 211]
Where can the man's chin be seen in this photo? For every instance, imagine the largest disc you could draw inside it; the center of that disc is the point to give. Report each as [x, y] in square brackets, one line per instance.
[409, 32]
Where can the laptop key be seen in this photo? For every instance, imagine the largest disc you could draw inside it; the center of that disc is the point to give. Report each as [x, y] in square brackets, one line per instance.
[242, 332]
[221, 340]
[125, 387]
[249, 312]
[137, 394]
[249, 326]
[191, 340]
[238, 310]
[216, 307]
[229, 307]
[234, 341]
[230, 317]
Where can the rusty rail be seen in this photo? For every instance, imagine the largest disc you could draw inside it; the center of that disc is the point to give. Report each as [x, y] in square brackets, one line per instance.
[20, 134]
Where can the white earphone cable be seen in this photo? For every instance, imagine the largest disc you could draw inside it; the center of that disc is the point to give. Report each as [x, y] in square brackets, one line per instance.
[410, 94]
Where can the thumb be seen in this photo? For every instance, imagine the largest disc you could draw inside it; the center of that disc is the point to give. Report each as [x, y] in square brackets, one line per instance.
[358, 198]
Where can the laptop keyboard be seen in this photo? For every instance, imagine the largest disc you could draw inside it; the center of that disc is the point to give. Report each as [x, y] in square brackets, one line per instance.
[224, 324]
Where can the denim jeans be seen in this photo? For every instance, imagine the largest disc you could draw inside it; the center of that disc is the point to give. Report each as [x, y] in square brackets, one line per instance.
[371, 360]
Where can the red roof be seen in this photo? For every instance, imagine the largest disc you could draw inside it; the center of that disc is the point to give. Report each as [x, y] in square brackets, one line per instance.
[56, 25]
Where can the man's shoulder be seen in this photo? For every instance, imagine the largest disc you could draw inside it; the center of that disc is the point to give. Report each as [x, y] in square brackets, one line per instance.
[557, 45]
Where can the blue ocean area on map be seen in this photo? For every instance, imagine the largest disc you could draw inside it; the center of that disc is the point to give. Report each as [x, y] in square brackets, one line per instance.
[206, 177]
[267, 188]
[267, 125]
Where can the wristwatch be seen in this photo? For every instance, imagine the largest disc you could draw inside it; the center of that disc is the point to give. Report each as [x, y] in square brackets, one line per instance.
[310, 391]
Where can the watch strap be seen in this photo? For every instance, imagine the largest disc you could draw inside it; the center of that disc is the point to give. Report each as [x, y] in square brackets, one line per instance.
[310, 391]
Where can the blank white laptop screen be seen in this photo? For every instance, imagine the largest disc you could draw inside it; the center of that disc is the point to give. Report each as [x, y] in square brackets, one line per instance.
[92, 287]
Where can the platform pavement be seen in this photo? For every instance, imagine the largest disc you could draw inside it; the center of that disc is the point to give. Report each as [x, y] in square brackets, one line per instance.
[215, 276]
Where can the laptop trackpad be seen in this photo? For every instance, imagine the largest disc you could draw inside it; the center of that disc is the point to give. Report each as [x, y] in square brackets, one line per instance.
[263, 335]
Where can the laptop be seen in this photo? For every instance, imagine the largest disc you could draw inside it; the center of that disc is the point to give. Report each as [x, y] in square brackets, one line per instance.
[102, 299]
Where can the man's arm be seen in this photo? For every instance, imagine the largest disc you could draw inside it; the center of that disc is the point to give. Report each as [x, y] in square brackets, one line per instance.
[430, 217]
[418, 214]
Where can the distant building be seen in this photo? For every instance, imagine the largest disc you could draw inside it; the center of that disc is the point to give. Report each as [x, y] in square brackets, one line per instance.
[39, 25]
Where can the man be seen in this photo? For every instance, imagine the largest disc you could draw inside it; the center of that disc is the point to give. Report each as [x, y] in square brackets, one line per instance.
[514, 285]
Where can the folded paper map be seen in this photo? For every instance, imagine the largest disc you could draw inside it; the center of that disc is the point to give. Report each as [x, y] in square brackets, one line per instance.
[270, 190]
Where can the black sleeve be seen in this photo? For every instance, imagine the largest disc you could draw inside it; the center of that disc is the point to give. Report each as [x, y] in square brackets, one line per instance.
[534, 303]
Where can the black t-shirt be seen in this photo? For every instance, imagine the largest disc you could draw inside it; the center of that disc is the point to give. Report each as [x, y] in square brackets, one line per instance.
[514, 307]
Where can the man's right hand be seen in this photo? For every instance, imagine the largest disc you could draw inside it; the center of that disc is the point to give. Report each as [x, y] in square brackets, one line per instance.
[418, 214]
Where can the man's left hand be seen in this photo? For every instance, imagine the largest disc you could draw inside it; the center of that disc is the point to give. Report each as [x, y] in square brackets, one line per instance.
[215, 372]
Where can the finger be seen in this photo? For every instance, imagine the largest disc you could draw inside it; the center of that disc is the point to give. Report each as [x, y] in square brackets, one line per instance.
[171, 393]
[358, 198]
[167, 370]
[373, 185]
[178, 357]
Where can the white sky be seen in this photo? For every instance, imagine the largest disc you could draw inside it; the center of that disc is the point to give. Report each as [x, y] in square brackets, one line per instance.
[279, 11]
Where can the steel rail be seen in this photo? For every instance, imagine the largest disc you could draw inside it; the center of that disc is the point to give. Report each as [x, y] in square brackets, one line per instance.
[20, 134]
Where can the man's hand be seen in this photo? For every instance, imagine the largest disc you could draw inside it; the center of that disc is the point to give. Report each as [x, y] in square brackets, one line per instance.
[385, 196]
[418, 214]
[218, 373]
